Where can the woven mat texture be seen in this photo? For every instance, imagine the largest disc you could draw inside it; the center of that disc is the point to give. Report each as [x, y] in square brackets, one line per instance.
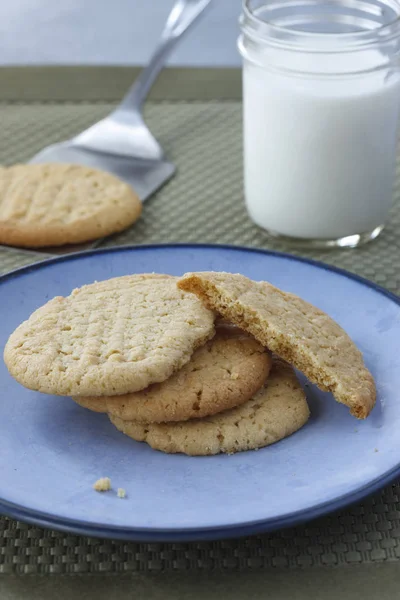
[203, 203]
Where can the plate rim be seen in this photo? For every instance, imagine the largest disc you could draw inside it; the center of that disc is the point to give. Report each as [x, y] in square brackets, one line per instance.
[252, 249]
[81, 527]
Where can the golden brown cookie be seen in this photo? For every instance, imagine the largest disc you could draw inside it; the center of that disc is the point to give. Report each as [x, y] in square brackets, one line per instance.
[227, 371]
[94, 403]
[276, 411]
[110, 337]
[295, 330]
[55, 204]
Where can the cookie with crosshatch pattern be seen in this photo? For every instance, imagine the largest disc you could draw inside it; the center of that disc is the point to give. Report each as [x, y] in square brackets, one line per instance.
[276, 411]
[56, 204]
[227, 371]
[109, 337]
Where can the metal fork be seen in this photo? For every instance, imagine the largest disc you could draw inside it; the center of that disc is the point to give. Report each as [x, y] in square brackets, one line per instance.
[121, 142]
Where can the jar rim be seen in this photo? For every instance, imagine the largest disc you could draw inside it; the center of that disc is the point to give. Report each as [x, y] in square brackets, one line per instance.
[263, 30]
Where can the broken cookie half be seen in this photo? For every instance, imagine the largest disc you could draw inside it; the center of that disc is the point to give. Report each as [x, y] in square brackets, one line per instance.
[292, 328]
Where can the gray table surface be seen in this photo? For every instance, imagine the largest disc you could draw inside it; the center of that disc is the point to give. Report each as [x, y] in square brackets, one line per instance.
[120, 32]
[363, 582]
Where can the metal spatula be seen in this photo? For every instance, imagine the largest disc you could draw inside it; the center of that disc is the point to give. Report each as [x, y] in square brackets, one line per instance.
[122, 143]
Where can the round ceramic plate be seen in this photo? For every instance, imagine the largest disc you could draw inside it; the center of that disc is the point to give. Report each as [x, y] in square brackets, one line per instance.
[52, 451]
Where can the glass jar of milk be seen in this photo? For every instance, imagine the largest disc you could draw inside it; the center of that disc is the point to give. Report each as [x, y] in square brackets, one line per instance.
[321, 94]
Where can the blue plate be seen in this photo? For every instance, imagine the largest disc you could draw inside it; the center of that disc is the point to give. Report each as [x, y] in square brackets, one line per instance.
[51, 450]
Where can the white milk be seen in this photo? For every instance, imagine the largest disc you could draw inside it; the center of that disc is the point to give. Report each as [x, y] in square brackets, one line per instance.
[319, 153]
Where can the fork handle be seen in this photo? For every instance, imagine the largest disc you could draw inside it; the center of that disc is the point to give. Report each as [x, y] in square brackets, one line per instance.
[183, 14]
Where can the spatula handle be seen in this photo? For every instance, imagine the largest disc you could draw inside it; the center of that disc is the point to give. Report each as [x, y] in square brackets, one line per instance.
[183, 14]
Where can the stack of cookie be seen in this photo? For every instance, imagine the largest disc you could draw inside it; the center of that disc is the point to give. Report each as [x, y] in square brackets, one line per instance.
[153, 353]
[44, 205]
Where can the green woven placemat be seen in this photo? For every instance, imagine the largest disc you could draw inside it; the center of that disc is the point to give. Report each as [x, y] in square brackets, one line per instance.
[203, 203]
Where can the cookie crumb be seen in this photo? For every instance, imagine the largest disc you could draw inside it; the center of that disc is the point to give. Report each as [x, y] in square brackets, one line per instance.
[121, 493]
[102, 485]
[235, 376]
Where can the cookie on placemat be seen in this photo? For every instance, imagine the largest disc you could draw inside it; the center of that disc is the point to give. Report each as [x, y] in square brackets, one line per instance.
[227, 371]
[294, 329]
[110, 337]
[276, 411]
[55, 204]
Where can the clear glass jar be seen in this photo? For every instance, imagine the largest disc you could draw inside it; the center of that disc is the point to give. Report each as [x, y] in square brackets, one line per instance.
[321, 95]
